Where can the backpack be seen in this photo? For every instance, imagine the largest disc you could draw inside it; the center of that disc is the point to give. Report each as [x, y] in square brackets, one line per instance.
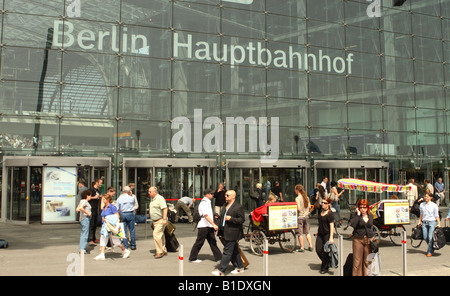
[439, 240]
[196, 215]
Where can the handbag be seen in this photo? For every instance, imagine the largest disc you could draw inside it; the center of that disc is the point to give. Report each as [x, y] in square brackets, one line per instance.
[417, 233]
[373, 243]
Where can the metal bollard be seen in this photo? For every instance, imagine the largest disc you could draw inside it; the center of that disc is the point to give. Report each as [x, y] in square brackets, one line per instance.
[180, 261]
[404, 247]
[341, 254]
[266, 258]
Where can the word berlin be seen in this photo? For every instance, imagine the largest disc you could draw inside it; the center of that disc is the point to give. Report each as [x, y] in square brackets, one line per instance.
[252, 53]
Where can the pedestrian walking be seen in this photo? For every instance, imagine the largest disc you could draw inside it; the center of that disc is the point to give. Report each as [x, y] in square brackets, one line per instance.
[110, 215]
[325, 234]
[126, 206]
[231, 230]
[206, 229]
[303, 207]
[158, 215]
[429, 219]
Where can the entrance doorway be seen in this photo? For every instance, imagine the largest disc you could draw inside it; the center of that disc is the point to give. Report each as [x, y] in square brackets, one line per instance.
[376, 171]
[174, 178]
[44, 189]
[242, 175]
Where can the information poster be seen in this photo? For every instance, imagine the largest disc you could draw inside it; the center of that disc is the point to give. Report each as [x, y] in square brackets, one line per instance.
[282, 217]
[396, 212]
[59, 194]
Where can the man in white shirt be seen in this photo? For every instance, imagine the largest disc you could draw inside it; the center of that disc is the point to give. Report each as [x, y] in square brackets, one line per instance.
[412, 194]
[206, 229]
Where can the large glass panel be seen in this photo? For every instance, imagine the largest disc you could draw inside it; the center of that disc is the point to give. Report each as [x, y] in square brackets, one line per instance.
[287, 83]
[39, 7]
[147, 13]
[292, 8]
[185, 104]
[395, 44]
[147, 136]
[366, 65]
[88, 136]
[365, 143]
[421, 25]
[242, 23]
[197, 17]
[244, 80]
[365, 116]
[327, 87]
[322, 34]
[399, 94]
[27, 30]
[361, 39]
[328, 10]
[98, 10]
[365, 91]
[428, 72]
[142, 104]
[25, 135]
[427, 49]
[356, 15]
[328, 142]
[290, 112]
[328, 114]
[293, 142]
[430, 96]
[285, 29]
[26, 64]
[196, 76]
[139, 72]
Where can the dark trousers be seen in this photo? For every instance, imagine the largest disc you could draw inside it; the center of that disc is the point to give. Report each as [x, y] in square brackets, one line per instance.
[324, 257]
[93, 225]
[231, 253]
[205, 233]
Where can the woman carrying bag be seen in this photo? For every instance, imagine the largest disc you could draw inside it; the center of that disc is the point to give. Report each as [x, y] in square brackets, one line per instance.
[362, 222]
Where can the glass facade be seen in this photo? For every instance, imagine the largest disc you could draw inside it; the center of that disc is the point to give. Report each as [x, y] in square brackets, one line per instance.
[107, 78]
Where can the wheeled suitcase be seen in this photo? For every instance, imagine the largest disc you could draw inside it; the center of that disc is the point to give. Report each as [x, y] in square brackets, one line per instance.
[446, 230]
[348, 265]
[171, 242]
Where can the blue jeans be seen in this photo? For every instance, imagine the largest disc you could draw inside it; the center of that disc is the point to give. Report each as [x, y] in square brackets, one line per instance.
[84, 232]
[428, 230]
[129, 220]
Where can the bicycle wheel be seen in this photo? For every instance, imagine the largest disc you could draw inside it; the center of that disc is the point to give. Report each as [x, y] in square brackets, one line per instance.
[395, 234]
[257, 242]
[287, 241]
[376, 234]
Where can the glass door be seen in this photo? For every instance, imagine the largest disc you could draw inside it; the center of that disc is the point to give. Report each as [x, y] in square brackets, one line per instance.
[17, 194]
[35, 194]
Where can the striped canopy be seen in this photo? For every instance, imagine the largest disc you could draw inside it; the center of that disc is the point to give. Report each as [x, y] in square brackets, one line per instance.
[368, 186]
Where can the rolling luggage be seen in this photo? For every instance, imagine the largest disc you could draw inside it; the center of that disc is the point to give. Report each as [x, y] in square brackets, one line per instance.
[348, 265]
[446, 230]
[171, 242]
